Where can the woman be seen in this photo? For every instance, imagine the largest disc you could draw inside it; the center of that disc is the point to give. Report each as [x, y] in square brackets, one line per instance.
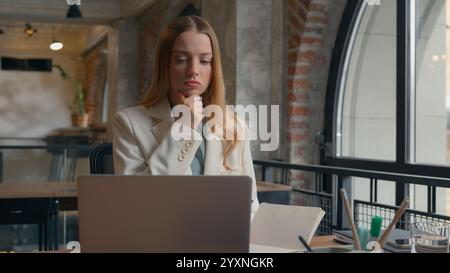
[187, 72]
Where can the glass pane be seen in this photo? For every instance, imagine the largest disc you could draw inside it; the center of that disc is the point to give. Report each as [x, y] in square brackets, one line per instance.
[367, 102]
[431, 117]
[443, 201]
[419, 196]
[361, 189]
[432, 92]
[386, 192]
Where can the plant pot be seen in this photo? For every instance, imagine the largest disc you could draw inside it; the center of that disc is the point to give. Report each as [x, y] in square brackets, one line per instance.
[80, 120]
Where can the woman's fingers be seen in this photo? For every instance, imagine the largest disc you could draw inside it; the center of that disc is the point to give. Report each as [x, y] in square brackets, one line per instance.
[195, 104]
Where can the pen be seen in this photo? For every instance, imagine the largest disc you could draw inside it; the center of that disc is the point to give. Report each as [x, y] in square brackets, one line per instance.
[350, 219]
[397, 216]
[305, 244]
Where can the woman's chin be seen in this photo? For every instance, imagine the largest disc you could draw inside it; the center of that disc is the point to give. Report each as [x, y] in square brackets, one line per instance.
[189, 93]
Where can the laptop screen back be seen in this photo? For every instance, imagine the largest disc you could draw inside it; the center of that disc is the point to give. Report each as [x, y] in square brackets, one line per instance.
[164, 213]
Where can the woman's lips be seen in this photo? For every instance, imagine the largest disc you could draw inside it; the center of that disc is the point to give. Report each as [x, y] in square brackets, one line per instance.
[192, 83]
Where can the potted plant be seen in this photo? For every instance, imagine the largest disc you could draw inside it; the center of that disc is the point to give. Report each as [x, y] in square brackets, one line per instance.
[79, 116]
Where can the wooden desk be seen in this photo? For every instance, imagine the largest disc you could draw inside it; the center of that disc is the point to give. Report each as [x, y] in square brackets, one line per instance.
[24, 190]
[44, 200]
[62, 189]
[316, 242]
[69, 189]
[273, 193]
[325, 241]
[264, 186]
[66, 192]
[21, 190]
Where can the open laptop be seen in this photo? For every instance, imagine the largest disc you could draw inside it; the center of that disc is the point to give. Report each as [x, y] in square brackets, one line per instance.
[164, 213]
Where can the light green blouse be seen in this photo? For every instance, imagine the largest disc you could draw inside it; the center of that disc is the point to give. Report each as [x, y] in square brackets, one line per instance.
[198, 163]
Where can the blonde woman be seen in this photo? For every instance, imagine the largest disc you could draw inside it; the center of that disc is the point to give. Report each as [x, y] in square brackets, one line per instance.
[187, 72]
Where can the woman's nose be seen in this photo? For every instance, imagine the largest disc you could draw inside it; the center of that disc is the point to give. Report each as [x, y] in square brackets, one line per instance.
[193, 69]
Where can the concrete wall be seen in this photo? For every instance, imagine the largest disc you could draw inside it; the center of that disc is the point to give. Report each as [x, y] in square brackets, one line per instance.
[252, 38]
[253, 58]
[31, 105]
[224, 24]
[34, 103]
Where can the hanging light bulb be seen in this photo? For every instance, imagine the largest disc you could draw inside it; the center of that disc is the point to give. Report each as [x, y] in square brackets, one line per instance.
[74, 10]
[29, 30]
[55, 45]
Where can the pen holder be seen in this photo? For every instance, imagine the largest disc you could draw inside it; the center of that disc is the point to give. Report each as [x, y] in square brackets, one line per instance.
[374, 247]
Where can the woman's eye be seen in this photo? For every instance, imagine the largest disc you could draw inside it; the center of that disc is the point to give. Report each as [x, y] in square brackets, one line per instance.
[205, 61]
[181, 60]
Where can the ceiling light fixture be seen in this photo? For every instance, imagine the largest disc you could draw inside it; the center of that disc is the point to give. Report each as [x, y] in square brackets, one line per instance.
[55, 45]
[29, 30]
[74, 10]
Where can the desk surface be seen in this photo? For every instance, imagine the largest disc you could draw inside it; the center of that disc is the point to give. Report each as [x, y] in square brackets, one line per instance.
[62, 189]
[24, 190]
[263, 186]
[325, 241]
[69, 189]
[37, 190]
[316, 242]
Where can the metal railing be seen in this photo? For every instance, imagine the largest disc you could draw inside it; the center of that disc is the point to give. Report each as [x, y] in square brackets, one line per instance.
[278, 172]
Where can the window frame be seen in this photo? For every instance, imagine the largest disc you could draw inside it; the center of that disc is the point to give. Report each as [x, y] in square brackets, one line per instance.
[404, 94]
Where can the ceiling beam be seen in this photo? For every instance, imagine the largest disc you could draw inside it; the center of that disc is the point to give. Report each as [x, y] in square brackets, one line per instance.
[132, 8]
[94, 12]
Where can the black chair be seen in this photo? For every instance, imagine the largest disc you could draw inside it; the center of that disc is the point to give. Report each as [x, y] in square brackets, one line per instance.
[101, 159]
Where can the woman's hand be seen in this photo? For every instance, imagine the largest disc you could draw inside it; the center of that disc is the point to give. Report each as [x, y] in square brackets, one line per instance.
[195, 104]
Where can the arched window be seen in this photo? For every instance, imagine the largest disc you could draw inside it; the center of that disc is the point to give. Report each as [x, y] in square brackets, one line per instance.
[388, 100]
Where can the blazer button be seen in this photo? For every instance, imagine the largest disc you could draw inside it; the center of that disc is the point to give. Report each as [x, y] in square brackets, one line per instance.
[184, 151]
[180, 157]
[189, 143]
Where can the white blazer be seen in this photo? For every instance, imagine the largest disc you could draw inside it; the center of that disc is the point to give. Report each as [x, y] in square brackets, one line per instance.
[143, 145]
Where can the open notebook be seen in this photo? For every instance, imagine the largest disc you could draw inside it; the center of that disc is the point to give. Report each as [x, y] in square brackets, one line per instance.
[275, 228]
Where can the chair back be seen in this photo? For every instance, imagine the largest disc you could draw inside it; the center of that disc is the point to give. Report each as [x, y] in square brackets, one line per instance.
[101, 159]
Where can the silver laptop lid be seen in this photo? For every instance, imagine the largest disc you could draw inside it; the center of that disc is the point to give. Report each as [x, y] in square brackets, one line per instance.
[164, 213]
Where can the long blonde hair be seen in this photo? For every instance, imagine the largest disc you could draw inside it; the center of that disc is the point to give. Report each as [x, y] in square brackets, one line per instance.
[214, 95]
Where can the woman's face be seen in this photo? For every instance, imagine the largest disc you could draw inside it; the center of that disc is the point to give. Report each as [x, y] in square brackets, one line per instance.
[190, 66]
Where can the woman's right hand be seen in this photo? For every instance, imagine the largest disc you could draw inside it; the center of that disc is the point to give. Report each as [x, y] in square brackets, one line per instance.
[195, 104]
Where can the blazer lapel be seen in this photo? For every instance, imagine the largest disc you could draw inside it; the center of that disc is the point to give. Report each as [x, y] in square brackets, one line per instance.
[161, 111]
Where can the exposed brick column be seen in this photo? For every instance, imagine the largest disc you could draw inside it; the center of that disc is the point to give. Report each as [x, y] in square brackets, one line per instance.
[307, 58]
[298, 84]
[95, 74]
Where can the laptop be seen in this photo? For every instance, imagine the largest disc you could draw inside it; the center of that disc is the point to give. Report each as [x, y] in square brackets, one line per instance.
[165, 214]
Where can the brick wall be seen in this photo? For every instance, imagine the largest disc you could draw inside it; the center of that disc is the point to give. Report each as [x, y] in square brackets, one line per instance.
[95, 76]
[312, 28]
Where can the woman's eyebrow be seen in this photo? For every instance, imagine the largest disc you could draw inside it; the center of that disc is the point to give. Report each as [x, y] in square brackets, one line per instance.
[188, 53]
